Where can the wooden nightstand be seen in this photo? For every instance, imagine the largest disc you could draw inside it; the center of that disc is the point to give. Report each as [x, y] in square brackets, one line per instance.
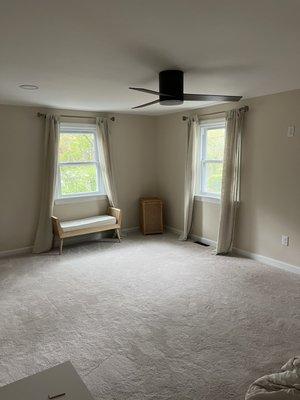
[151, 215]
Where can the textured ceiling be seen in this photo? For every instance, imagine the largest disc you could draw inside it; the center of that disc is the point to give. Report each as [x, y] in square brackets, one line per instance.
[85, 54]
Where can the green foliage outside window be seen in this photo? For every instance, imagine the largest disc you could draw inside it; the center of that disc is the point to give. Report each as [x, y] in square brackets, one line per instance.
[82, 177]
[215, 144]
[213, 177]
[76, 147]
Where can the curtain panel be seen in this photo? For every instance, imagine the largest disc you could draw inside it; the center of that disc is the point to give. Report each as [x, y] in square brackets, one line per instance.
[230, 191]
[106, 164]
[44, 236]
[190, 174]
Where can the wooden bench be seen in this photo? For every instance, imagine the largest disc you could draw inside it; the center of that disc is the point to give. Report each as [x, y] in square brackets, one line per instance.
[100, 223]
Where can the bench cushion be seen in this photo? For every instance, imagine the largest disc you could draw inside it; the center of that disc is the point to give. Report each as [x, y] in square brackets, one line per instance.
[91, 222]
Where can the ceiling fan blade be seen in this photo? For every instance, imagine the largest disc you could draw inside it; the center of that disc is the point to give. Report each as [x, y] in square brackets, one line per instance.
[149, 91]
[210, 97]
[147, 104]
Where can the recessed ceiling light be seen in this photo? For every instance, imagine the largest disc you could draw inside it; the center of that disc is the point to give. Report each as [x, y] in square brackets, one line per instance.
[28, 87]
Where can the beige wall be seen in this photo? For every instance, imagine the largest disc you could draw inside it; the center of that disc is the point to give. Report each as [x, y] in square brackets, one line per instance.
[270, 203]
[206, 220]
[149, 158]
[21, 134]
[133, 143]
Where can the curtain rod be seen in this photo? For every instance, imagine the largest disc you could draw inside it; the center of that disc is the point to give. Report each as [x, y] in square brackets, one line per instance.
[245, 109]
[72, 116]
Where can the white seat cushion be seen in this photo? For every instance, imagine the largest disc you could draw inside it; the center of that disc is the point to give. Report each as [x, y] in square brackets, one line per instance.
[91, 222]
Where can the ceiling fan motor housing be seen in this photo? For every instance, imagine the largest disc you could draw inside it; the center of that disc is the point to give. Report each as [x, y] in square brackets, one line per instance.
[171, 83]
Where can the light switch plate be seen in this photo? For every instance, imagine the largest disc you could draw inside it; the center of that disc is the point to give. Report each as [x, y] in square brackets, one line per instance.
[285, 240]
[291, 131]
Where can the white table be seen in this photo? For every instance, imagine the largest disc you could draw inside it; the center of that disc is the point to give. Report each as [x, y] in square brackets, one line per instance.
[54, 381]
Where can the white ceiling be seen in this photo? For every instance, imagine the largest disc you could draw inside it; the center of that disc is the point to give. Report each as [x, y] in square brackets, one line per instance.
[85, 54]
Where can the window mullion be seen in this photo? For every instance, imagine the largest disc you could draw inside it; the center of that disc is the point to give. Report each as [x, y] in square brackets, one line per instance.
[77, 162]
[213, 161]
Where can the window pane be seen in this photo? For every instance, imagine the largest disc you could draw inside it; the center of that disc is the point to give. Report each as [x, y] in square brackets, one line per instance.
[215, 144]
[213, 177]
[76, 147]
[77, 179]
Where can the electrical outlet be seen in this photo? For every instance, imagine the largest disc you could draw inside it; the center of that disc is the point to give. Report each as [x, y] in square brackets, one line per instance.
[285, 240]
[291, 131]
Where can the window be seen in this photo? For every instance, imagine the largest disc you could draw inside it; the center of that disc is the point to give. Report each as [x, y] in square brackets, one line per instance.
[78, 162]
[210, 160]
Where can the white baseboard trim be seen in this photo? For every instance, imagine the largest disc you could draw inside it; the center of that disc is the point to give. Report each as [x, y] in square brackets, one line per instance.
[77, 240]
[10, 253]
[125, 231]
[253, 256]
[173, 230]
[204, 240]
[272, 262]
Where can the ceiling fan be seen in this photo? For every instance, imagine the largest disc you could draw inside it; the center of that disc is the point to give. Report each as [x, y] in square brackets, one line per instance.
[171, 91]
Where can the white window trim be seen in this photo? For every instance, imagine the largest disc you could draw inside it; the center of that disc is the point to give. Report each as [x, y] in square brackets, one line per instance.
[80, 199]
[200, 194]
[78, 128]
[208, 199]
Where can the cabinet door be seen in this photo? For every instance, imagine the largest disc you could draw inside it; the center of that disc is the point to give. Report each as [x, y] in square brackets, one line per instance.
[153, 217]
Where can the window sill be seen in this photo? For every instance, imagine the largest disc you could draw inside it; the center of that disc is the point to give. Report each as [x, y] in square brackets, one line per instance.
[207, 199]
[80, 199]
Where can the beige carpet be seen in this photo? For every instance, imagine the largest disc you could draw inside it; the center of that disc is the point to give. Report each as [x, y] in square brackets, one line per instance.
[150, 318]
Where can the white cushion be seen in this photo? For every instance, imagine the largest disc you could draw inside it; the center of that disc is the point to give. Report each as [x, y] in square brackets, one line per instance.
[91, 222]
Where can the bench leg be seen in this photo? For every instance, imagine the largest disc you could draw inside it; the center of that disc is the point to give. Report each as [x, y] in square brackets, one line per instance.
[118, 235]
[61, 245]
[53, 241]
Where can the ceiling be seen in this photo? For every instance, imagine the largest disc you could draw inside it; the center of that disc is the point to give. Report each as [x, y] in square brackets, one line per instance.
[85, 54]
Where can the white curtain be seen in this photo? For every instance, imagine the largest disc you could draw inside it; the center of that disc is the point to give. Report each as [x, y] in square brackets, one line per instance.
[190, 175]
[230, 192]
[106, 160]
[44, 235]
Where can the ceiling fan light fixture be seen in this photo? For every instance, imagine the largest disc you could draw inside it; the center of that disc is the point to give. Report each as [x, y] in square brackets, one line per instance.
[171, 83]
[170, 102]
[27, 86]
[171, 91]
